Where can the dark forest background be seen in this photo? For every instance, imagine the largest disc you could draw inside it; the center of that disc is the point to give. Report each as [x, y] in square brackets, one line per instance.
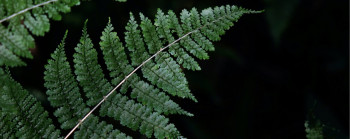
[269, 74]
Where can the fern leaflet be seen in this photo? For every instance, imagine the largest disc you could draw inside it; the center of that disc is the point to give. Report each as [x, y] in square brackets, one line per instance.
[22, 116]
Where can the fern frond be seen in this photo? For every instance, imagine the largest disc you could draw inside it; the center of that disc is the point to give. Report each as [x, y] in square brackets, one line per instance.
[118, 65]
[194, 34]
[64, 95]
[28, 118]
[24, 15]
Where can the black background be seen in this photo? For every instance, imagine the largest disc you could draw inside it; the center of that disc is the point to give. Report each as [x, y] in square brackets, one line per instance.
[269, 74]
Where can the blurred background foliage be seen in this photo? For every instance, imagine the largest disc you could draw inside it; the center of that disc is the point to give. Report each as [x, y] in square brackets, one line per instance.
[268, 75]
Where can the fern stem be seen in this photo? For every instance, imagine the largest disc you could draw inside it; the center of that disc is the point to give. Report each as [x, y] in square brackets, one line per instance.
[27, 9]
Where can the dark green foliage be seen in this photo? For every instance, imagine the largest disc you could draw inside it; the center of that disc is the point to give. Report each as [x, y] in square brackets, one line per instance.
[15, 39]
[131, 114]
[22, 116]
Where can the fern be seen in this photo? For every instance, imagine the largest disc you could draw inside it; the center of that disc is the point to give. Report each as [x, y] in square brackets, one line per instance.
[133, 115]
[161, 77]
[15, 39]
